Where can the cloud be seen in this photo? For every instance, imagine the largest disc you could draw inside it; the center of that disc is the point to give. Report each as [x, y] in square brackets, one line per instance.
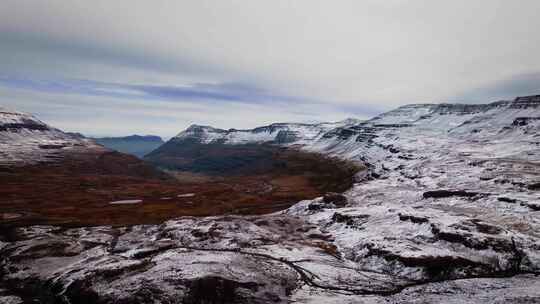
[207, 92]
[116, 115]
[505, 89]
[347, 57]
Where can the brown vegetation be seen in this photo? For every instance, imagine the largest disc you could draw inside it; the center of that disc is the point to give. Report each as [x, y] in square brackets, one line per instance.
[78, 192]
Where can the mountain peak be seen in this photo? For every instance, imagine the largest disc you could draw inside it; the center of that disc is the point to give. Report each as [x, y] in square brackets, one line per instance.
[199, 132]
[196, 127]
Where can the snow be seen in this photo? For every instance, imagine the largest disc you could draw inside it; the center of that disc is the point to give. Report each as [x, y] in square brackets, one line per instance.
[301, 133]
[26, 140]
[389, 244]
[126, 202]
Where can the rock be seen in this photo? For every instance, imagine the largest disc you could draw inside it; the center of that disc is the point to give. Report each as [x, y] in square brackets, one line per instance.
[354, 221]
[448, 193]
[485, 228]
[414, 219]
[507, 200]
[393, 150]
[214, 289]
[316, 206]
[534, 205]
[534, 187]
[461, 234]
[435, 266]
[337, 199]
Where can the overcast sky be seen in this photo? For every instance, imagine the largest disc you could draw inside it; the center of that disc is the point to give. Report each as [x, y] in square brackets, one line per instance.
[155, 67]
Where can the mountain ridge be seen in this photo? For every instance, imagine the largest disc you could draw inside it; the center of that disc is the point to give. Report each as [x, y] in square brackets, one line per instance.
[410, 113]
[24, 140]
[429, 108]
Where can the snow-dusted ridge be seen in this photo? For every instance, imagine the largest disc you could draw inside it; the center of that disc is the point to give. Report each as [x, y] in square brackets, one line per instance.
[448, 212]
[281, 133]
[25, 140]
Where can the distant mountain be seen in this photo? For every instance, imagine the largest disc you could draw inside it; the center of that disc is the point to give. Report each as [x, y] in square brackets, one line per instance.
[278, 133]
[135, 144]
[204, 149]
[24, 140]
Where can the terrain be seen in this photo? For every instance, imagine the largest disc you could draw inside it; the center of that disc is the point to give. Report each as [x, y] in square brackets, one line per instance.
[52, 177]
[447, 211]
[134, 144]
[89, 191]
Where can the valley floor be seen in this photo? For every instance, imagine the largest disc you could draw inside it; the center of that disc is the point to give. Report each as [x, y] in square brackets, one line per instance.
[85, 192]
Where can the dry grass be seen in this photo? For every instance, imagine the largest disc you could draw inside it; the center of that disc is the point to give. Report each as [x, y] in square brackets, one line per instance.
[78, 193]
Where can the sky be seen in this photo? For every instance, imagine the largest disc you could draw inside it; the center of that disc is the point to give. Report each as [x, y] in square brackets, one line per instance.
[112, 68]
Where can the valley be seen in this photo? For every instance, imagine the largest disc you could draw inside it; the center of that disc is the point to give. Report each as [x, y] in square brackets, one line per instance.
[269, 152]
[79, 190]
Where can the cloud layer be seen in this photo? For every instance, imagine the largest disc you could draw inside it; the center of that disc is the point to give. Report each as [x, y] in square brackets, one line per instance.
[258, 61]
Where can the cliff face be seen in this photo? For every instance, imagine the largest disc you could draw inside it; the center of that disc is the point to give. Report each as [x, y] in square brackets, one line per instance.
[527, 102]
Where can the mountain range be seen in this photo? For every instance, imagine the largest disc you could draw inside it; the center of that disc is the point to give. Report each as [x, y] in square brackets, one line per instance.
[447, 210]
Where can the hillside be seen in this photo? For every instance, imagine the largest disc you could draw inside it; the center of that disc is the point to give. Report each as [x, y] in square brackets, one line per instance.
[26, 140]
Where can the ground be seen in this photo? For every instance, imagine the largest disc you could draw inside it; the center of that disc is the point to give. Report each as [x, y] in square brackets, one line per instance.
[79, 191]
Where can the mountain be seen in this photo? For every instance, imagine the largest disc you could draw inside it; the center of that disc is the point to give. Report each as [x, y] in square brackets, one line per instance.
[446, 212]
[204, 149]
[135, 144]
[433, 126]
[26, 140]
[278, 133]
[50, 176]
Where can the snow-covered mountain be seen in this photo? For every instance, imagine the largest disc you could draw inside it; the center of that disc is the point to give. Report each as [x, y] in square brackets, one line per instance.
[447, 212]
[448, 194]
[429, 126]
[204, 149]
[278, 133]
[393, 134]
[24, 140]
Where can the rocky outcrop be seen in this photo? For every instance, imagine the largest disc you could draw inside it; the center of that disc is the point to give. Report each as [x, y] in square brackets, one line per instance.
[524, 121]
[525, 102]
[337, 199]
[448, 193]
